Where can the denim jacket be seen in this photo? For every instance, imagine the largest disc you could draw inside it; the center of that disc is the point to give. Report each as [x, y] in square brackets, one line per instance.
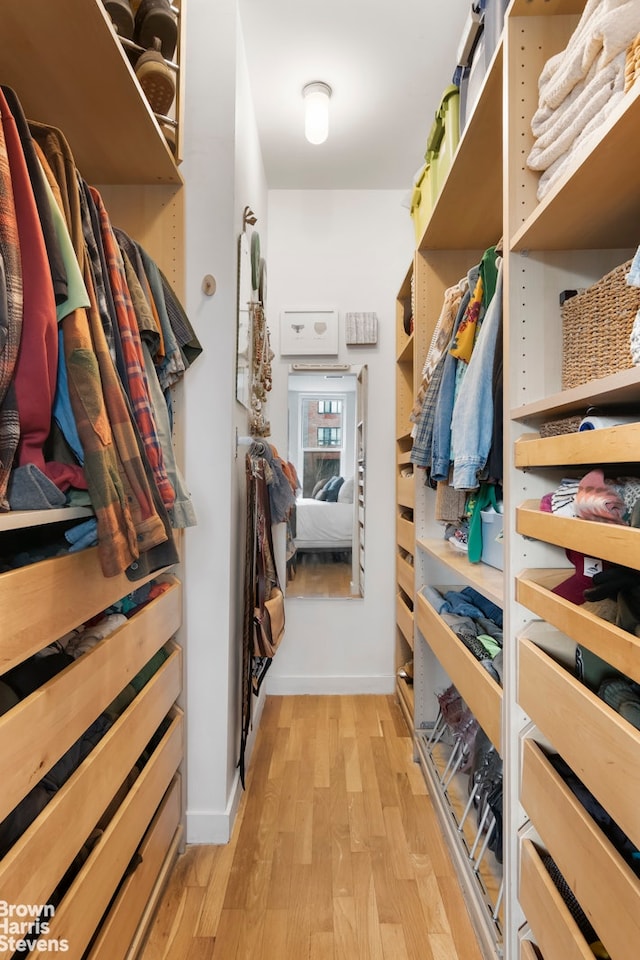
[472, 421]
[441, 436]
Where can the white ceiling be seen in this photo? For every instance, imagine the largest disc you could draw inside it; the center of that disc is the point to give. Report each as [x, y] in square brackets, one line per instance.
[387, 62]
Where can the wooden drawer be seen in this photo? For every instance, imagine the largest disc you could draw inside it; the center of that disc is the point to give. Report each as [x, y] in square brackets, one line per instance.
[477, 688]
[45, 600]
[606, 888]
[528, 951]
[610, 445]
[618, 647]
[405, 535]
[38, 860]
[86, 901]
[136, 895]
[608, 541]
[36, 732]
[405, 493]
[406, 576]
[556, 932]
[599, 745]
[404, 619]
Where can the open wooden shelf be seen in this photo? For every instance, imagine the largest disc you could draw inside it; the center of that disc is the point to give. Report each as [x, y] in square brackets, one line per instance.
[405, 352]
[404, 619]
[20, 519]
[489, 581]
[554, 929]
[618, 647]
[528, 951]
[606, 887]
[84, 905]
[463, 215]
[482, 889]
[477, 688]
[405, 576]
[599, 745]
[563, 221]
[609, 445]
[405, 535]
[405, 694]
[54, 839]
[405, 492]
[114, 137]
[606, 541]
[622, 388]
[41, 728]
[140, 892]
[38, 607]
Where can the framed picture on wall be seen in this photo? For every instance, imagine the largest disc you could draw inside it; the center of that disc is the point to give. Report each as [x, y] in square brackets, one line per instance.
[305, 332]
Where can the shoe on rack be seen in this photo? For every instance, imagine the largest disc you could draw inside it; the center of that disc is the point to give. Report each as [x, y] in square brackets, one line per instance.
[155, 18]
[156, 79]
[121, 17]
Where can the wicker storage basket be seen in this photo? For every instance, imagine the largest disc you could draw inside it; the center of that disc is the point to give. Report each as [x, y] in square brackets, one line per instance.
[555, 428]
[632, 64]
[596, 327]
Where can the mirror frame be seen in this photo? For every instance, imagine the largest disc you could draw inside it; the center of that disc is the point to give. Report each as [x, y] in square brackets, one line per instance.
[360, 374]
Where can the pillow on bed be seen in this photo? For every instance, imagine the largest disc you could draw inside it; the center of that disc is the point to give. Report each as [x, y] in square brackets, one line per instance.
[345, 494]
[320, 485]
[333, 488]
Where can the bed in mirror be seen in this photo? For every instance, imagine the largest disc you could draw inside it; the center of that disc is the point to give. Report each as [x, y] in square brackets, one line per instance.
[327, 449]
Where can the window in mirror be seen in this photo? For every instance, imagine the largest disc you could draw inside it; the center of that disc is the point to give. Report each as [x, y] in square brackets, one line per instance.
[327, 522]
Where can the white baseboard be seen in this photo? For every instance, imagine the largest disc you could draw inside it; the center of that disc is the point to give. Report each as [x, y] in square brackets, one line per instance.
[292, 686]
[212, 826]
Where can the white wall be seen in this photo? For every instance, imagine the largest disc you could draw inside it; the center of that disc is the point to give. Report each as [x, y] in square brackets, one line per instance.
[349, 250]
[216, 189]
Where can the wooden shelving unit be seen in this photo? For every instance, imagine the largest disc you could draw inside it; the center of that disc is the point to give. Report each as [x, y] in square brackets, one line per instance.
[585, 226]
[68, 70]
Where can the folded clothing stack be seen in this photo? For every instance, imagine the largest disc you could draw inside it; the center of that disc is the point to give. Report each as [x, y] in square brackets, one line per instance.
[580, 86]
[595, 497]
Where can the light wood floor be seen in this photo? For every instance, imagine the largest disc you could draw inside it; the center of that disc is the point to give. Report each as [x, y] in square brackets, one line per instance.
[336, 853]
[318, 576]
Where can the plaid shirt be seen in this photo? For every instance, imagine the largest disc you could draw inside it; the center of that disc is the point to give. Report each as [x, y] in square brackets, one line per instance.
[123, 501]
[11, 295]
[136, 383]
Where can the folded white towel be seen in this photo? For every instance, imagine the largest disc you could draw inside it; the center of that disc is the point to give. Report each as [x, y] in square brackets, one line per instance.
[545, 116]
[608, 31]
[572, 120]
[581, 146]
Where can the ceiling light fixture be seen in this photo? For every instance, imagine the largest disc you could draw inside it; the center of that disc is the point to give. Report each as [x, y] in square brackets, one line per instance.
[316, 111]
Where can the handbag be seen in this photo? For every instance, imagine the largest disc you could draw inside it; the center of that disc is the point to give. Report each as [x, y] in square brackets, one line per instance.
[269, 624]
[268, 613]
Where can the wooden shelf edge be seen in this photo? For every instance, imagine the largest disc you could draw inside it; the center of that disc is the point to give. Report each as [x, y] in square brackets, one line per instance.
[613, 644]
[608, 445]
[487, 580]
[488, 933]
[605, 541]
[618, 388]
[476, 686]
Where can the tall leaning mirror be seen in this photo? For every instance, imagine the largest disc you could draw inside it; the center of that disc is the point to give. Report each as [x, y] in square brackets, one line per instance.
[327, 446]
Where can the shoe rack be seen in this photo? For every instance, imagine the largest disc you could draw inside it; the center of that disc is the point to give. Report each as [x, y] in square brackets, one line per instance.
[69, 70]
[586, 225]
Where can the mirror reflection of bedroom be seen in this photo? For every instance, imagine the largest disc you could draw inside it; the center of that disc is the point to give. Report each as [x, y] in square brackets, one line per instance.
[326, 446]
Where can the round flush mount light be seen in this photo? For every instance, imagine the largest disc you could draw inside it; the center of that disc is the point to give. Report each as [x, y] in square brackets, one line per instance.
[316, 111]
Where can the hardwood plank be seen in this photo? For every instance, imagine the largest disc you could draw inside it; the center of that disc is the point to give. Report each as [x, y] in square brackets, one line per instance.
[360, 873]
[393, 943]
[274, 935]
[321, 946]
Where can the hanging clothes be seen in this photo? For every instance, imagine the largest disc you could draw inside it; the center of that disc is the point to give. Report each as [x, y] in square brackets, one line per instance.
[260, 586]
[128, 523]
[11, 293]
